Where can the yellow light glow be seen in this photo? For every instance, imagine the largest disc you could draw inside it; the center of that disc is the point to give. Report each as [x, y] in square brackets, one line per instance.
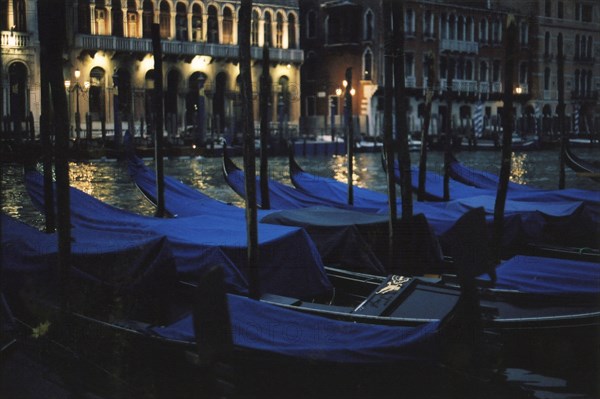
[200, 61]
[338, 91]
[344, 83]
[67, 84]
[77, 73]
[352, 92]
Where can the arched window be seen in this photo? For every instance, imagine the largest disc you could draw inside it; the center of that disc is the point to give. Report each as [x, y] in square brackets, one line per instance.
[577, 81]
[96, 93]
[461, 28]
[213, 25]
[547, 78]
[20, 15]
[576, 47]
[254, 29]
[469, 70]
[483, 71]
[368, 65]
[496, 71]
[197, 23]
[117, 18]
[227, 26]
[368, 27]
[496, 35]
[83, 11]
[311, 24]
[483, 30]
[279, 30]
[470, 29]
[101, 19]
[147, 18]
[443, 26]
[181, 22]
[452, 27]
[589, 47]
[559, 44]
[589, 83]
[547, 43]
[268, 29]
[17, 79]
[125, 92]
[292, 42]
[409, 22]
[583, 46]
[428, 24]
[524, 33]
[165, 20]
[583, 82]
[132, 19]
[523, 72]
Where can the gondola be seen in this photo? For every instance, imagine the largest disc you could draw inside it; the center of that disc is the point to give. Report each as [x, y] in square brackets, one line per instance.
[581, 166]
[127, 312]
[506, 310]
[539, 217]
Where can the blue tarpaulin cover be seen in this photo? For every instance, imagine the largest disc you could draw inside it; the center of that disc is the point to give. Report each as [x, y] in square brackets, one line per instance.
[548, 275]
[289, 263]
[146, 266]
[566, 217]
[337, 243]
[141, 270]
[266, 327]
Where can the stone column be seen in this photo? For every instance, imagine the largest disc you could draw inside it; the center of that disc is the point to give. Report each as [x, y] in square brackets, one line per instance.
[108, 21]
[220, 25]
[261, 32]
[140, 23]
[92, 19]
[286, 38]
[125, 23]
[234, 30]
[173, 25]
[190, 33]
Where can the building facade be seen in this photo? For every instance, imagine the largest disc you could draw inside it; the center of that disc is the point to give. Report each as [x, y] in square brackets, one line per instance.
[466, 38]
[20, 75]
[312, 44]
[109, 67]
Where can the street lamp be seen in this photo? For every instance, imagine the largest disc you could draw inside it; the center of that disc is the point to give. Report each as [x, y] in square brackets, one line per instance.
[77, 88]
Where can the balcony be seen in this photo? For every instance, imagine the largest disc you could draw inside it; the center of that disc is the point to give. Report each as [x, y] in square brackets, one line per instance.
[460, 86]
[185, 49]
[11, 39]
[461, 46]
[550, 94]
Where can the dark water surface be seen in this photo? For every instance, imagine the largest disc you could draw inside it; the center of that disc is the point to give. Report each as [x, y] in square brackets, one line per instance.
[109, 182]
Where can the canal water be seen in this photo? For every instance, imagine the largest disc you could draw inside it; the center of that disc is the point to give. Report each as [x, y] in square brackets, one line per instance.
[108, 181]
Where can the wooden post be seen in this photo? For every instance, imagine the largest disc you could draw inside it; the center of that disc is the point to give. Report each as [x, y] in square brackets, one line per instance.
[265, 94]
[425, 129]
[47, 147]
[158, 121]
[52, 38]
[249, 151]
[349, 134]
[507, 127]
[560, 70]
[387, 128]
[448, 141]
[400, 102]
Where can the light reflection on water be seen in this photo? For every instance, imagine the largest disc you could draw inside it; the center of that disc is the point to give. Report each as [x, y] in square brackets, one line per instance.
[109, 182]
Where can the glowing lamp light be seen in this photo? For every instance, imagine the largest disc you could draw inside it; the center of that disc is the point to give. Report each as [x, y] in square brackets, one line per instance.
[338, 92]
[77, 73]
[67, 84]
[345, 83]
[352, 92]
